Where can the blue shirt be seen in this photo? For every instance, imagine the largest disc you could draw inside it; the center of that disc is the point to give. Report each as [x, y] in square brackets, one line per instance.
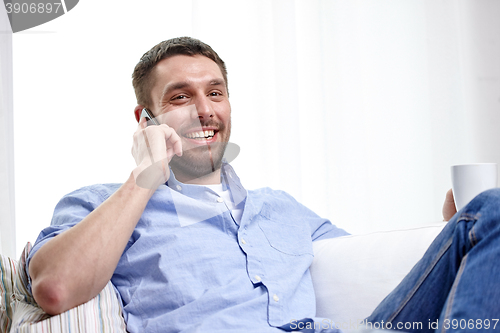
[190, 267]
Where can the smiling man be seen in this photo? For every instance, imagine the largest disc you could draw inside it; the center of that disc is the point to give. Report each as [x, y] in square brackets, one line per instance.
[190, 95]
[186, 246]
[189, 249]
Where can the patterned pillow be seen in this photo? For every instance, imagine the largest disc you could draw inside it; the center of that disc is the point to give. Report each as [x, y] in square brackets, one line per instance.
[7, 277]
[101, 314]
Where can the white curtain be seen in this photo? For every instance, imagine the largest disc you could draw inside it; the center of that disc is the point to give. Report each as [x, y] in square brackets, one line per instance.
[356, 108]
[7, 222]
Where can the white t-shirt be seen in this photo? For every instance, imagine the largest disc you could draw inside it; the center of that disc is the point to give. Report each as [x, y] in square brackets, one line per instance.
[236, 211]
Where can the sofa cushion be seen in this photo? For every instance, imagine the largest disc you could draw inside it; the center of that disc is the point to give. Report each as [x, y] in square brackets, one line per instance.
[7, 277]
[353, 274]
[101, 314]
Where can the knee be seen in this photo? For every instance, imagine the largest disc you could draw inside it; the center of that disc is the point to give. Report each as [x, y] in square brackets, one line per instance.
[489, 195]
[487, 201]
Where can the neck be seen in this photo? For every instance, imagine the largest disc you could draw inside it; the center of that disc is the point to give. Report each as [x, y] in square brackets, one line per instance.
[212, 178]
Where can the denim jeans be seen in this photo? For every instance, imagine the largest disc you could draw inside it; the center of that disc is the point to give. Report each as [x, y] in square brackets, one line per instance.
[455, 287]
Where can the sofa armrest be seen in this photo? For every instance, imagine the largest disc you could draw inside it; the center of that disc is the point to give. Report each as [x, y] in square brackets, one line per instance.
[353, 274]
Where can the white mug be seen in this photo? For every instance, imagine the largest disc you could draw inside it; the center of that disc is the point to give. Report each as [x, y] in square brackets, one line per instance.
[468, 180]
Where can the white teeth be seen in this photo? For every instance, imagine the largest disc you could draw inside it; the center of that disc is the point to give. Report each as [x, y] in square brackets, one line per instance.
[200, 134]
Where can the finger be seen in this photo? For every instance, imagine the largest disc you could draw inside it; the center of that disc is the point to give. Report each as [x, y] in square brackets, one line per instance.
[170, 153]
[173, 140]
[143, 123]
[449, 200]
[449, 208]
[154, 143]
[149, 144]
[449, 196]
[178, 147]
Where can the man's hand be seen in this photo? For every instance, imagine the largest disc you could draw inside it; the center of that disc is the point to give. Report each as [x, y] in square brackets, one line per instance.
[153, 148]
[449, 208]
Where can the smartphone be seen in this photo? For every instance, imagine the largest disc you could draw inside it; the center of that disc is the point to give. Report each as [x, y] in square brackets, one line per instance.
[149, 117]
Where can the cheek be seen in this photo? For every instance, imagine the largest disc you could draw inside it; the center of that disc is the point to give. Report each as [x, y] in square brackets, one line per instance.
[175, 121]
[178, 117]
[225, 114]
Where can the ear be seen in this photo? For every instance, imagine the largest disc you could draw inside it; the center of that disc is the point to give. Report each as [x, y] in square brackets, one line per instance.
[137, 112]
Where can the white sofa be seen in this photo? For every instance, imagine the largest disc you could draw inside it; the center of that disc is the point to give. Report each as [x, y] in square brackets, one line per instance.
[351, 275]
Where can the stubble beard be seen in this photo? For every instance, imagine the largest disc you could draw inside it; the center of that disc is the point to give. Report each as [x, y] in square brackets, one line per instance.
[201, 161]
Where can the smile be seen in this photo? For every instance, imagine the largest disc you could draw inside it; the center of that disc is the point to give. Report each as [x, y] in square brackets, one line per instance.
[201, 135]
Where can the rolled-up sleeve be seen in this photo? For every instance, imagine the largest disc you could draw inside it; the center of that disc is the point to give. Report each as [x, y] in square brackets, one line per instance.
[70, 210]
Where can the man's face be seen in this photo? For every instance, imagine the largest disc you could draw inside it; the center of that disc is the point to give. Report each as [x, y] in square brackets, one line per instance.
[190, 96]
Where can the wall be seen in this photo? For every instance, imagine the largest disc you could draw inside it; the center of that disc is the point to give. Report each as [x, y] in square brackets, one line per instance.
[356, 108]
[7, 207]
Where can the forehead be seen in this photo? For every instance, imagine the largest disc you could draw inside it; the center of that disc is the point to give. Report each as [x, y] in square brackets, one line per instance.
[185, 67]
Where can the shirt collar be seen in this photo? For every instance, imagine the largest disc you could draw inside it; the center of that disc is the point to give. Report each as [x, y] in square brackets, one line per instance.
[229, 180]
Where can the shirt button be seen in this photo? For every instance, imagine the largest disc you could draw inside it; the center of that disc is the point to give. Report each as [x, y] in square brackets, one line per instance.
[219, 199]
[243, 241]
[257, 278]
[179, 188]
[276, 298]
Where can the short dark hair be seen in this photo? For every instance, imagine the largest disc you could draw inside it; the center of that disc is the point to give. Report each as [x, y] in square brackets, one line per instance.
[143, 78]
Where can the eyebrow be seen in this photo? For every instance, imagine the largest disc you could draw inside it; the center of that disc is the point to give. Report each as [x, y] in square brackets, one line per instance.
[217, 82]
[173, 86]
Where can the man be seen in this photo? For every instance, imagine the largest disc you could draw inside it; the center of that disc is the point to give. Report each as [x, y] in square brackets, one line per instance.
[182, 256]
[190, 250]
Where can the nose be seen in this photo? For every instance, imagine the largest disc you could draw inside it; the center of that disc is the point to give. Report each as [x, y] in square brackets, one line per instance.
[204, 108]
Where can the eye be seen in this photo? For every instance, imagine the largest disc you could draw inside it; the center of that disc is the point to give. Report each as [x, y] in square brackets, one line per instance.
[179, 99]
[216, 95]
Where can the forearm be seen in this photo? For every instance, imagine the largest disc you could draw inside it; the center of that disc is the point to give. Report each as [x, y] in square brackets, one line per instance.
[74, 266]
